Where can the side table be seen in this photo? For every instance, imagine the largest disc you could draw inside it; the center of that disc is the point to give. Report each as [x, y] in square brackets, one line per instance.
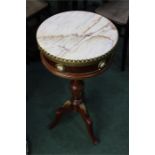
[76, 45]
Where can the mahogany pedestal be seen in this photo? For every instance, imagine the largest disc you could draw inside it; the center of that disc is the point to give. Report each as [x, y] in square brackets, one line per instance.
[76, 75]
[76, 103]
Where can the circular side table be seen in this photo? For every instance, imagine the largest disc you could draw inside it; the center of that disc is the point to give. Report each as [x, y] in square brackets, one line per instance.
[76, 45]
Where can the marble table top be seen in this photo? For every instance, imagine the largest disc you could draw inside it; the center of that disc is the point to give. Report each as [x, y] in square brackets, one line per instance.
[77, 35]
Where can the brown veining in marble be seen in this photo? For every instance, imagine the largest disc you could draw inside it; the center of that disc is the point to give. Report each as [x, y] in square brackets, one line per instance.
[78, 40]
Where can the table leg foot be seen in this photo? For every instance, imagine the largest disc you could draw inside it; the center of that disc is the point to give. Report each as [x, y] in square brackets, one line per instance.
[59, 113]
[58, 116]
[88, 122]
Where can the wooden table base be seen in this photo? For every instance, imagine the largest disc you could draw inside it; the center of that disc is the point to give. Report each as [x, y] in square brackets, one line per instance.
[76, 104]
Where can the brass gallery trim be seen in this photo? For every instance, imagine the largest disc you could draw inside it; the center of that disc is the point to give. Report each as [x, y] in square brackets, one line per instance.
[68, 62]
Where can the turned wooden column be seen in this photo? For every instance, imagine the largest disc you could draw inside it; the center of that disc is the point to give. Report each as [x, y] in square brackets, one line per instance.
[77, 91]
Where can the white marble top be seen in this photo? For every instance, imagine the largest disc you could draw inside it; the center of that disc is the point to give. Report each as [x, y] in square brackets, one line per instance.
[77, 35]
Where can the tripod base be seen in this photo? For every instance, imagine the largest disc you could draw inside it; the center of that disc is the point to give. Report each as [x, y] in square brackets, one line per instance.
[82, 110]
[76, 104]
